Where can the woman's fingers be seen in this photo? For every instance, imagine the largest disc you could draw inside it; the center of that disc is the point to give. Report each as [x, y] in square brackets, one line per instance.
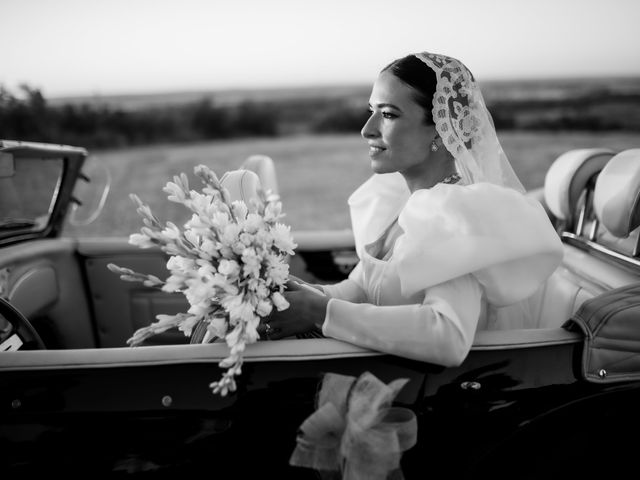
[297, 285]
[270, 330]
[280, 327]
[293, 285]
[306, 311]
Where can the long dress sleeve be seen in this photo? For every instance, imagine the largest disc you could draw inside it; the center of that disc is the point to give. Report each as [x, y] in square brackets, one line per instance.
[439, 330]
[349, 289]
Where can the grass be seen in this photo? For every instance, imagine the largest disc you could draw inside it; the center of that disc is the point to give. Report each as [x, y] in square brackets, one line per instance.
[316, 173]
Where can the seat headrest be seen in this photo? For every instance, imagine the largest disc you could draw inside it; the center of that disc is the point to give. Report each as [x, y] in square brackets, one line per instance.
[242, 185]
[266, 170]
[617, 193]
[569, 175]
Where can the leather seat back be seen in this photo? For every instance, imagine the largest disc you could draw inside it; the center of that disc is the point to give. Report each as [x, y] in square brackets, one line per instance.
[617, 204]
[569, 183]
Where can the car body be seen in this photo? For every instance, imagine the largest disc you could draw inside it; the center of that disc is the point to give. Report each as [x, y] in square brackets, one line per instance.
[82, 403]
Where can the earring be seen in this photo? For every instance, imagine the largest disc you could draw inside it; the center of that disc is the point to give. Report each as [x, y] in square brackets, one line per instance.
[434, 146]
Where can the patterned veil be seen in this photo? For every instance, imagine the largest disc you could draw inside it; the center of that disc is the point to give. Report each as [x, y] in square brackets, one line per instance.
[465, 125]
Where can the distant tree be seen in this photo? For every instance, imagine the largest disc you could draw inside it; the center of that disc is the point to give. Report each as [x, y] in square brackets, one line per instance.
[210, 121]
[250, 118]
[339, 118]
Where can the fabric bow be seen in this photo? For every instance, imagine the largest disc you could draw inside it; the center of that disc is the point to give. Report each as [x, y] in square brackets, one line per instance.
[355, 430]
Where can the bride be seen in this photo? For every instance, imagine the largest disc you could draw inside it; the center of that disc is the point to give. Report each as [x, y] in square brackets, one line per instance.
[447, 241]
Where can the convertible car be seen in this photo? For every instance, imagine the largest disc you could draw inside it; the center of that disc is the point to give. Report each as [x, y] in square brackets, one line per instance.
[558, 400]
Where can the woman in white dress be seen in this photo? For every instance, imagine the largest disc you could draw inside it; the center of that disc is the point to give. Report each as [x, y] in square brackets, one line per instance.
[447, 241]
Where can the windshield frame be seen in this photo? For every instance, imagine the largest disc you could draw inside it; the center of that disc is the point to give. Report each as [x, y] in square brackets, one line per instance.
[72, 159]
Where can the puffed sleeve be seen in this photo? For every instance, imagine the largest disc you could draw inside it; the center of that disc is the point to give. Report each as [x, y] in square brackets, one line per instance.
[349, 289]
[502, 237]
[440, 330]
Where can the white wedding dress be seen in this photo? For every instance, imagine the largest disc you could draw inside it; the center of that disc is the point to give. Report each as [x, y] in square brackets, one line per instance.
[437, 265]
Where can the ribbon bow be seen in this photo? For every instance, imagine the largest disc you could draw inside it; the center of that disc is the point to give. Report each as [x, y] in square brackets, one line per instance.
[355, 430]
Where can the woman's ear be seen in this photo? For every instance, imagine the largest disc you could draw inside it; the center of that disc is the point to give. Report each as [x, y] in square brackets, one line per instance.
[436, 142]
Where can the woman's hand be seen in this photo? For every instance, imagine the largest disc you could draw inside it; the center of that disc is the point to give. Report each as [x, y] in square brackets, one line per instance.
[294, 283]
[306, 312]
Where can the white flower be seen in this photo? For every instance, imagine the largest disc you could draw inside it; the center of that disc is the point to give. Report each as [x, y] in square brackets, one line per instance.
[220, 220]
[197, 309]
[279, 301]
[177, 189]
[206, 272]
[243, 311]
[238, 348]
[193, 237]
[197, 222]
[176, 194]
[208, 250]
[199, 202]
[230, 268]
[207, 175]
[232, 338]
[251, 262]
[238, 247]
[231, 302]
[264, 308]
[239, 209]
[177, 263]
[264, 238]
[224, 286]
[174, 283]
[171, 231]
[253, 223]
[258, 285]
[141, 240]
[198, 294]
[188, 323]
[251, 331]
[217, 326]
[273, 211]
[282, 238]
[246, 238]
[251, 335]
[229, 234]
[278, 272]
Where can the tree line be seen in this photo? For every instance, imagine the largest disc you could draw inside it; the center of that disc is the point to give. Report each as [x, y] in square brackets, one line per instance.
[28, 116]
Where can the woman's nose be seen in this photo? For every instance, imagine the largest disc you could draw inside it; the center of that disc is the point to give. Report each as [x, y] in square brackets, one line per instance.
[370, 129]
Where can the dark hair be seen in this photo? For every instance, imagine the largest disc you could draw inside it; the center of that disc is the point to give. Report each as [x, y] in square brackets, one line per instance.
[420, 77]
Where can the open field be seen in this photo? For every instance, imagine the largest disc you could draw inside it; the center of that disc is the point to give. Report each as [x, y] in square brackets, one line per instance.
[316, 174]
[493, 90]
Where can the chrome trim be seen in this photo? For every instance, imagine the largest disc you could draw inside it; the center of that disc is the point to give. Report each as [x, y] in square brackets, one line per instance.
[594, 229]
[581, 216]
[56, 190]
[588, 245]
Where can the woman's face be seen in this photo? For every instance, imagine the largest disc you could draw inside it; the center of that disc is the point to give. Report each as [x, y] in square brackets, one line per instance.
[396, 132]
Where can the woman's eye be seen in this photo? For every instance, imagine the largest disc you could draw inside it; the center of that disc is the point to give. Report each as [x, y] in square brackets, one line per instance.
[387, 115]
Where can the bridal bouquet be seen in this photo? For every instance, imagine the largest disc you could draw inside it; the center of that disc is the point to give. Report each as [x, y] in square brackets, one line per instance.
[229, 261]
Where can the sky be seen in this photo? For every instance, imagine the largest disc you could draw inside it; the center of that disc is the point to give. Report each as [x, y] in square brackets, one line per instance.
[106, 47]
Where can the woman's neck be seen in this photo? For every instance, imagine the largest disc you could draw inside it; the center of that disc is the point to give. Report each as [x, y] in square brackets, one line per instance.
[428, 175]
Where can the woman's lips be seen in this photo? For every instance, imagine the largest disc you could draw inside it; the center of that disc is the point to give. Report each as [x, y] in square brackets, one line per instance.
[375, 150]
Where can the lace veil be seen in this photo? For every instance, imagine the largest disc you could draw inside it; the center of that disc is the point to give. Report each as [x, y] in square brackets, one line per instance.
[465, 125]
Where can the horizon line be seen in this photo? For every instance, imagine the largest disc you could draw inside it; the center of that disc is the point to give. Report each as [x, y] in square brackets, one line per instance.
[302, 87]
